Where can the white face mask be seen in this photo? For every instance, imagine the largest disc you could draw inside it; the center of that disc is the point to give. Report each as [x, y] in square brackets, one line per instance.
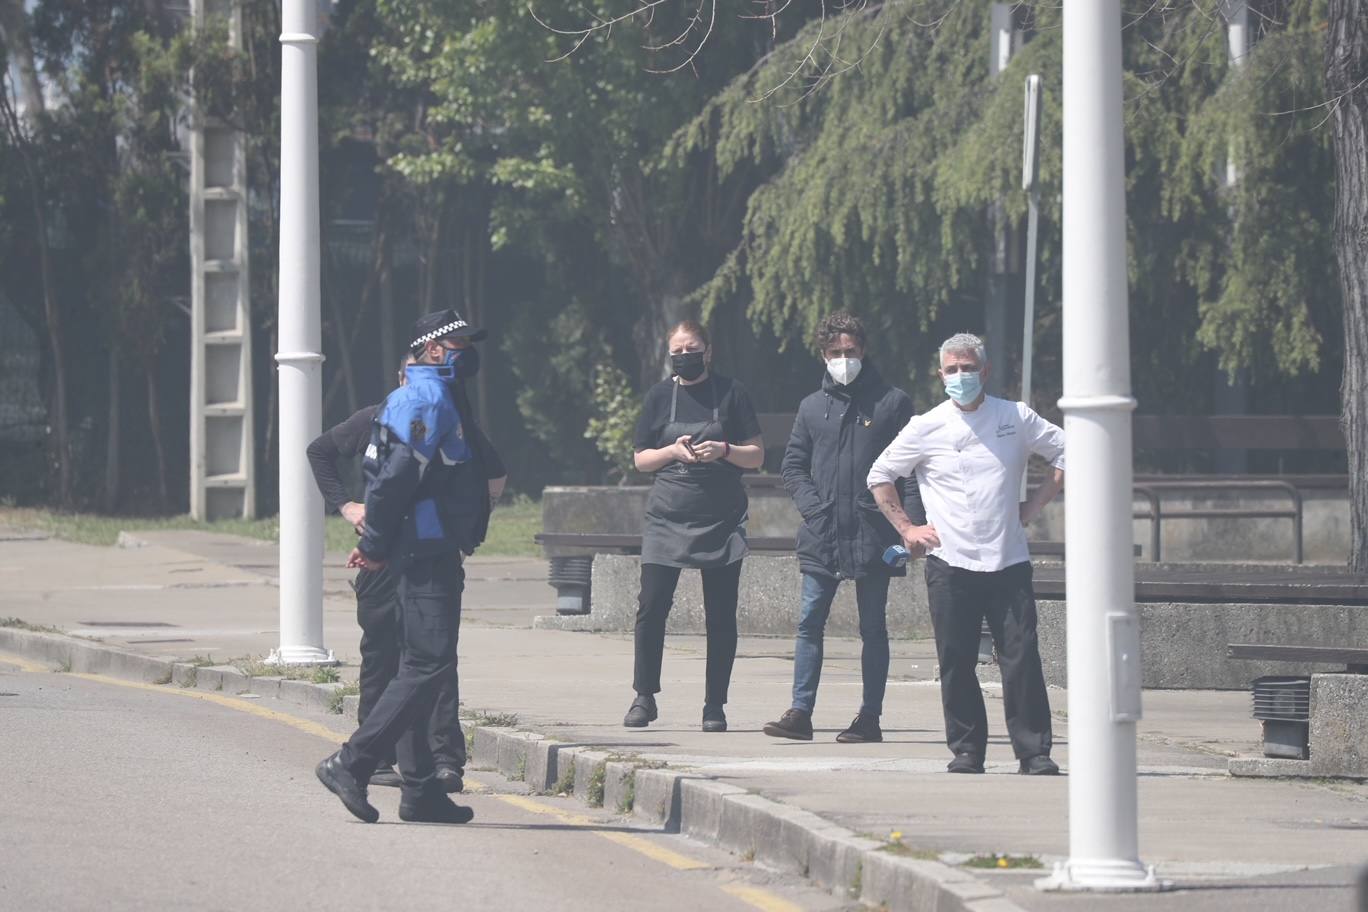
[844, 370]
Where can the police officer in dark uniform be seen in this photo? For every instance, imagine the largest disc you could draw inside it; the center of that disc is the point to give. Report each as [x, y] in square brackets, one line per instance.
[377, 596]
[425, 494]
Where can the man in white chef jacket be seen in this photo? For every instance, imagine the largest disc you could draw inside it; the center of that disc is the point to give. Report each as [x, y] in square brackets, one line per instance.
[969, 454]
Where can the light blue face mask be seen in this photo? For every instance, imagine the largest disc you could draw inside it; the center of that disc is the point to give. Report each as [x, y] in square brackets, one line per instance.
[964, 387]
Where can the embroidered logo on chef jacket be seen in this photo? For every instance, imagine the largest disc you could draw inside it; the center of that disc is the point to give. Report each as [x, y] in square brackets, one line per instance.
[1006, 430]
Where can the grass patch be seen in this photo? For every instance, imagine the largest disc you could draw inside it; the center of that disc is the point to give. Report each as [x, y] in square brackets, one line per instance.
[565, 785]
[1004, 862]
[200, 661]
[494, 720]
[510, 528]
[335, 700]
[99, 529]
[64, 666]
[521, 774]
[256, 667]
[597, 783]
[163, 678]
[628, 801]
[191, 677]
[21, 624]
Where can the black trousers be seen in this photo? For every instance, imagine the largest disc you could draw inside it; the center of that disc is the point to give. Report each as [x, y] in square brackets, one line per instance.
[430, 613]
[960, 600]
[658, 584]
[377, 611]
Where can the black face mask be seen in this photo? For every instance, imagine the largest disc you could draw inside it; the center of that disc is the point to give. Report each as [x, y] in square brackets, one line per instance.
[688, 365]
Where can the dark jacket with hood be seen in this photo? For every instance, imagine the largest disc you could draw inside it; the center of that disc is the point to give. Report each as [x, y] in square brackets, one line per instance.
[837, 434]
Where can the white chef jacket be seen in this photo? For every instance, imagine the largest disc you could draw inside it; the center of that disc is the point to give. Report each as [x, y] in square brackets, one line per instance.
[969, 467]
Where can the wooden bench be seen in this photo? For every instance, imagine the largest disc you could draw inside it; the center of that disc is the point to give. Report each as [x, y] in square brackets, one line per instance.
[1354, 660]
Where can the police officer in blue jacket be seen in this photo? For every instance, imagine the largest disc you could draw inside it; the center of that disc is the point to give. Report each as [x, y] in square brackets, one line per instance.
[426, 505]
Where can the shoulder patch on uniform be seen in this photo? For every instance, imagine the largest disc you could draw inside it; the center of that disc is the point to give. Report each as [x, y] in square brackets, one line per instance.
[372, 452]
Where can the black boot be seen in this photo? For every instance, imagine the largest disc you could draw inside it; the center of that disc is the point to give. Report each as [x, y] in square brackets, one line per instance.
[864, 730]
[965, 763]
[434, 809]
[794, 723]
[714, 719]
[341, 783]
[642, 712]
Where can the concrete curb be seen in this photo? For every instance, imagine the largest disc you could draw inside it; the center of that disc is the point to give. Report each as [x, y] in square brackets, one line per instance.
[78, 655]
[778, 836]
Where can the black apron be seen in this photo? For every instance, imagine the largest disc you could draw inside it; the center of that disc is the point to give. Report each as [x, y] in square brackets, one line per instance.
[696, 514]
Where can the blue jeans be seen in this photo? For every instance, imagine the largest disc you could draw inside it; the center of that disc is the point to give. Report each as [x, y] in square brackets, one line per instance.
[871, 596]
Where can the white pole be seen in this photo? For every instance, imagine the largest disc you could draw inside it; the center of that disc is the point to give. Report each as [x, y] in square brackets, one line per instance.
[1103, 629]
[300, 363]
[1030, 171]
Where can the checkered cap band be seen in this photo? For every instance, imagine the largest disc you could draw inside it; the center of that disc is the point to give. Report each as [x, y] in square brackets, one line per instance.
[438, 333]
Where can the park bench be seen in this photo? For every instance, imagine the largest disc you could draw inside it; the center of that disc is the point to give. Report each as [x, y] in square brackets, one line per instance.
[1282, 703]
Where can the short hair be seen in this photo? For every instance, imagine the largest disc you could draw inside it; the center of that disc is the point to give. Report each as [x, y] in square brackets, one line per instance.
[693, 328]
[964, 343]
[837, 324]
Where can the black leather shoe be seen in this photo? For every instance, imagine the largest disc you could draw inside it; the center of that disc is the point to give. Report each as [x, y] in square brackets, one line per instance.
[449, 779]
[794, 723]
[341, 783]
[641, 713]
[863, 730]
[434, 809]
[386, 776]
[1039, 765]
[965, 763]
[714, 719]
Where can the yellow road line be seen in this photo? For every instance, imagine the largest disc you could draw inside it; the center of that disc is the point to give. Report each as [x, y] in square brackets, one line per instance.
[22, 663]
[304, 725]
[636, 843]
[760, 899]
[753, 896]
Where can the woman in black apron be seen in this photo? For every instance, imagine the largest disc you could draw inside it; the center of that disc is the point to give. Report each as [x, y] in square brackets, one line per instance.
[697, 432]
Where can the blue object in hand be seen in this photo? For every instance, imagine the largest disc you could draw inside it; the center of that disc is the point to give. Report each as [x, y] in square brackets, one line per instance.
[896, 556]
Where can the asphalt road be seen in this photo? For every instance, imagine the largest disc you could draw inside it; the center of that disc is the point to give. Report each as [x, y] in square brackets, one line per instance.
[125, 796]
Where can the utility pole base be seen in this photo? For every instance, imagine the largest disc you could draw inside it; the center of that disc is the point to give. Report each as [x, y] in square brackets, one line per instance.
[300, 655]
[1102, 877]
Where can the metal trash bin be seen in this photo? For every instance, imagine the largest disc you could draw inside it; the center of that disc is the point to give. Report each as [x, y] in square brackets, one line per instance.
[1283, 704]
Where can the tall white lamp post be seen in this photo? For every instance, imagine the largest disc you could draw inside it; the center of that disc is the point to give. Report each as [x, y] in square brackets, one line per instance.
[1103, 629]
[300, 362]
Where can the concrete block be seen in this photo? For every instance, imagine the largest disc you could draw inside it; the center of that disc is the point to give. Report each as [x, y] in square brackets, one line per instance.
[184, 675]
[994, 904]
[482, 744]
[1183, 645]
[619, 786]
[265, 687]
[590, 772]
[209, 678]
[542, 764]
[514, 748]
[839, 867]
[301, 693]
[658, 797]
[234, 681]
[749, 825]
[768, 602]
[1339, 725]
[804, 840]
[351, 706]
[700, 807]
[1267, 767]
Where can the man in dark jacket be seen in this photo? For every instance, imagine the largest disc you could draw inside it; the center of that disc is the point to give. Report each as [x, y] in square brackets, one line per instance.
[425, 506]
[838, 433]
[377, 597]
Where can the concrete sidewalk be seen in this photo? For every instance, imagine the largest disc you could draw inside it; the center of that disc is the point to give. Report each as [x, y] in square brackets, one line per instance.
[1230, 844]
